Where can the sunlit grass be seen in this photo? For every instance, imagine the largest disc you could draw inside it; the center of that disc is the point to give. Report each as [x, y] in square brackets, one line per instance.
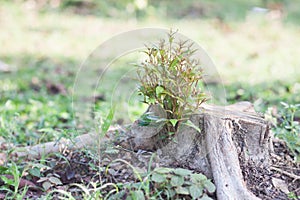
[258, 49]
[51, 46]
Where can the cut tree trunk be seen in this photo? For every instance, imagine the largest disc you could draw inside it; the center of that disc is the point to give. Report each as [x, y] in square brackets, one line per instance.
[231, 137]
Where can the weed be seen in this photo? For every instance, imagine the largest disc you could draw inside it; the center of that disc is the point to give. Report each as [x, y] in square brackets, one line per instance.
[164, 183]
[292, 195]
[172, 183]
[11, 185]
[288, 129]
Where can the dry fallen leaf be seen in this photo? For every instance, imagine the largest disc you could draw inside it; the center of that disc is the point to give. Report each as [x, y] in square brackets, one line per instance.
[47, 185]
[281, 185]
[55, 180]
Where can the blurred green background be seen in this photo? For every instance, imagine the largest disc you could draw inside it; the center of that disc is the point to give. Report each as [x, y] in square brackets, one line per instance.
[254, 44]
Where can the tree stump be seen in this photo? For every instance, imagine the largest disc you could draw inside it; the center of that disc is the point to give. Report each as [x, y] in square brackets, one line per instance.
[230, 137]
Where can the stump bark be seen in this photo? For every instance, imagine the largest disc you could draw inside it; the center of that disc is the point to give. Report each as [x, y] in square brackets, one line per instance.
[230, 137]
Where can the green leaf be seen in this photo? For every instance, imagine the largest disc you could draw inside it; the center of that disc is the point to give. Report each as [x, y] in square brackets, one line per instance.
[35, 172]
[284, 104]
[46, 130]
[171, 133]
[158, 178]
[3, 169]
[136, 185]
[142, 122]
[196, 191]
[169, 94]
[46, 185]
[152, 117]
[174, 63]
[162, 52]
[138, 195]
[108, 121]
[182, 172]
[163, 170]
[151, 100]
[149, 117]
[55, 180]
[197, 178]
[159, 90]
[173, 122]
[191, 124]
[177, 180]
[182, 190]
[209, 186]
[169, 192]
[6, 180]
[111, 150]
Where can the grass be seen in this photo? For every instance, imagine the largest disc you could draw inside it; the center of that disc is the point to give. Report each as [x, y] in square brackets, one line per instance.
[255, 59]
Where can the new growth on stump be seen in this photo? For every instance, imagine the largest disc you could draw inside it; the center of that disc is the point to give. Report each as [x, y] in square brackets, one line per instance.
[171, 78]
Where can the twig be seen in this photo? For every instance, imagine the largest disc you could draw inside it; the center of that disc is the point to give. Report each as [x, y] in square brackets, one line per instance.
[286, 173]
[291, 168]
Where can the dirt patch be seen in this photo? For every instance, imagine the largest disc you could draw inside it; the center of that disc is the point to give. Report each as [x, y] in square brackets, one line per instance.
[278, 181]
